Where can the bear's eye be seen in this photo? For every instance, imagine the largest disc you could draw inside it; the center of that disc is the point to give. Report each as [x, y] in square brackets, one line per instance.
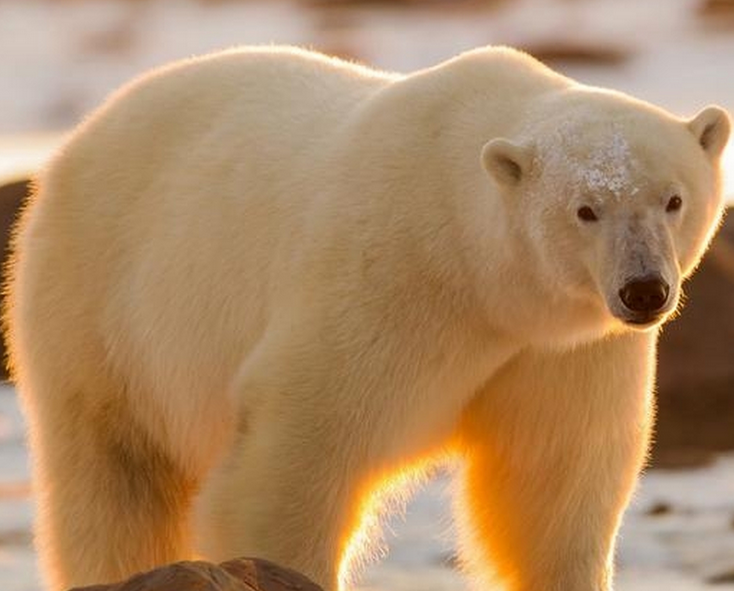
[674, 203]
[586, 214]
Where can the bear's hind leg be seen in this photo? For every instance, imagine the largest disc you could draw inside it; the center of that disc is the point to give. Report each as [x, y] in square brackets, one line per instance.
[111, 502]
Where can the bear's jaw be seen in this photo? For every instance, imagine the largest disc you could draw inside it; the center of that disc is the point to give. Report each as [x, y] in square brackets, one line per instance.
[582, 320]
[644, 323]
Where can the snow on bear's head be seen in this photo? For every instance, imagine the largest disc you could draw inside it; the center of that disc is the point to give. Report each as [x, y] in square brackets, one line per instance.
[619, 199]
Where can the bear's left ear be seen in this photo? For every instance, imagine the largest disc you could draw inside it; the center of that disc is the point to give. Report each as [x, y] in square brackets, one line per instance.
[505, 161]
[711, 127]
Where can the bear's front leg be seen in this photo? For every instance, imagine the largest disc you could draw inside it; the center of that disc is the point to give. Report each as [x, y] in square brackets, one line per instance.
[553, 447]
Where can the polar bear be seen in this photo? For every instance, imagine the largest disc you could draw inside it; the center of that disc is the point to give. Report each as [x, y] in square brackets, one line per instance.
[255, 286]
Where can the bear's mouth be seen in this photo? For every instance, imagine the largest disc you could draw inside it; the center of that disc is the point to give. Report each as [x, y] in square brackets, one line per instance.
[643, 320]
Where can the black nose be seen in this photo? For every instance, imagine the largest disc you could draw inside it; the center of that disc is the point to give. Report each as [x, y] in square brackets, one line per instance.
[646, 294]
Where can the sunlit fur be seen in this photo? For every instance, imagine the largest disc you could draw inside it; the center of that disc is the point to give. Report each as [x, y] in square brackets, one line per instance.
[387, 496]
[256, 287]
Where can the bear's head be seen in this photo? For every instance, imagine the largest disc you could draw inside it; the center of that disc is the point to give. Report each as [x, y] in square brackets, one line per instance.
[615, 198]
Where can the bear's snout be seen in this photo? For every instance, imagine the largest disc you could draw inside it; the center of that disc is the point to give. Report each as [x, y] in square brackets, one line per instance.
[645, 295]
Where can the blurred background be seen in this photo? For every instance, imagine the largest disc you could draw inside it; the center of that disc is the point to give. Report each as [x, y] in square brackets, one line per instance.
[59, 59]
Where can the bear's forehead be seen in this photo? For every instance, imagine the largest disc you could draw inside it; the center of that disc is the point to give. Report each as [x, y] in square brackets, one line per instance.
[590, 158]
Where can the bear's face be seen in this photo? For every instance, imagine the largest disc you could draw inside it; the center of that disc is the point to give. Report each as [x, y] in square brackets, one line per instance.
[618, 208]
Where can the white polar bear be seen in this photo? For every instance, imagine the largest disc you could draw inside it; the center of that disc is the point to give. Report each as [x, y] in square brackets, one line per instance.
[268, 281]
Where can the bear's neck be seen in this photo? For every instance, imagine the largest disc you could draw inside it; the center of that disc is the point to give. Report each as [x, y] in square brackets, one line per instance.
[412, 153]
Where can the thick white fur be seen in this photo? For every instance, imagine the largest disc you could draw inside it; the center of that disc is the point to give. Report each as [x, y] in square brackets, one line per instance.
[269, 280]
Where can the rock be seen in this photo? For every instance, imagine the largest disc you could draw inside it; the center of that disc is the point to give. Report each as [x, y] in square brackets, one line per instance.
[448, 560]
[242, 574]
[696, 365]
[717, 8]
[555, 52]
[722, 578]
[658, 509]
[267, 576]
[12, 196]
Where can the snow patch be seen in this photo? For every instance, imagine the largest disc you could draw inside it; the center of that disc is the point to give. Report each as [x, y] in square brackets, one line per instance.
[608, 167]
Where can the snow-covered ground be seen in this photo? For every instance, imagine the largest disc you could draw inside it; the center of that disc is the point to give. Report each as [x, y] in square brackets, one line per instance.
[678, 534]
[17, 564]
[59, 59]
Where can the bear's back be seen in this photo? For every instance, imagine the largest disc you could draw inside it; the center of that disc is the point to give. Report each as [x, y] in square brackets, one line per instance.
[261, 95]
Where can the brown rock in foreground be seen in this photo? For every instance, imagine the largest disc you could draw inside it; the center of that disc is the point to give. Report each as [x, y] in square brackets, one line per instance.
[242, 574]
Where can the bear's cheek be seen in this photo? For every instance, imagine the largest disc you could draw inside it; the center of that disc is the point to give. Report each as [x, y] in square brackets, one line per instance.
[693, 235]
[569, 257]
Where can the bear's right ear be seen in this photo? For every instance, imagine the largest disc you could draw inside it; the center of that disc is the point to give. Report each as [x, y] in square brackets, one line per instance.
[711, 126]
[506, 162]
